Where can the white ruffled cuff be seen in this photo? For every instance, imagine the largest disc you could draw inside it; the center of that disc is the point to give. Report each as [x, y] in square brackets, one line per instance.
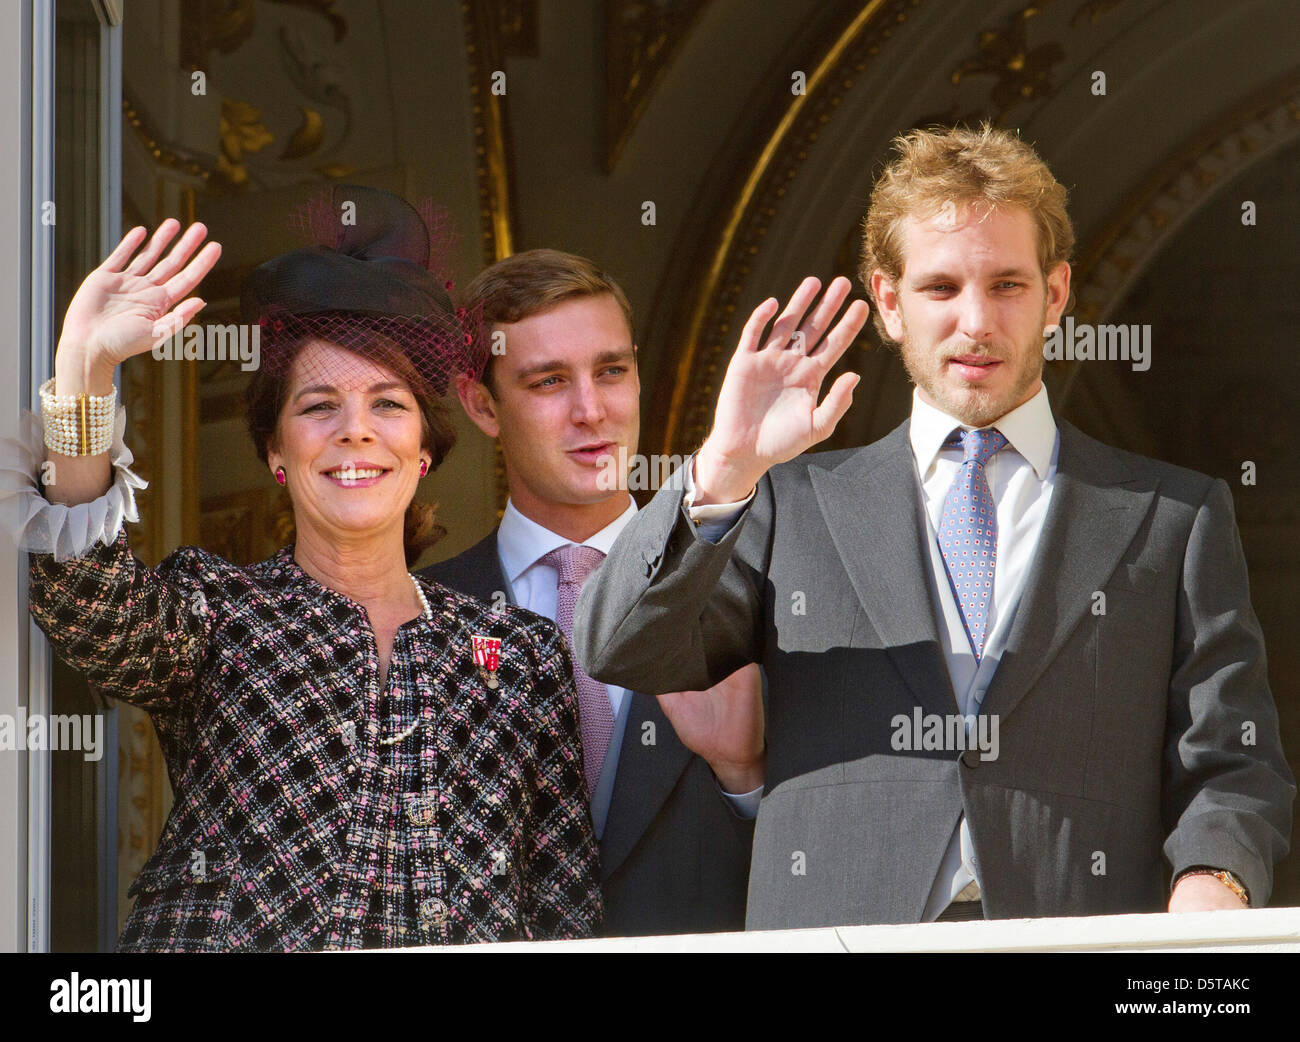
[41, 527]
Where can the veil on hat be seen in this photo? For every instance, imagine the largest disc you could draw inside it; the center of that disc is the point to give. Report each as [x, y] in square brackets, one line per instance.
[376, 278]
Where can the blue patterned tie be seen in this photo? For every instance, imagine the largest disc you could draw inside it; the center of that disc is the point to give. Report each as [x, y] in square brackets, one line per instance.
[968, 532]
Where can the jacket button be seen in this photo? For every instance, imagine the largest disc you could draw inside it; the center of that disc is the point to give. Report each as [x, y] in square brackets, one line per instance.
[433, 911]
[421, 813]
[651, 562]
[971, 757]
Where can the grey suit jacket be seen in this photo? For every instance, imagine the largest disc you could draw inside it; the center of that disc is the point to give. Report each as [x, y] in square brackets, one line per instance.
[674, 856]
[1148, 727]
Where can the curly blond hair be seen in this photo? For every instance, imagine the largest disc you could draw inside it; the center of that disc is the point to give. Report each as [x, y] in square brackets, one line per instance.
[956, 165]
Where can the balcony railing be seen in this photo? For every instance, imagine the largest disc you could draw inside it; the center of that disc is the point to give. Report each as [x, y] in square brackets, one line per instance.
[1250, 930]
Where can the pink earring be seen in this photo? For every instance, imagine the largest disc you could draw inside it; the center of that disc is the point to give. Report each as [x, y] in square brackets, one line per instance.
[279, 475]
[424, 467]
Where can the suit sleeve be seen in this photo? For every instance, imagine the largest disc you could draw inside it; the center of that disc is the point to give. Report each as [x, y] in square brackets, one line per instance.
[1228, 788]
[669, 610]
[562, 866]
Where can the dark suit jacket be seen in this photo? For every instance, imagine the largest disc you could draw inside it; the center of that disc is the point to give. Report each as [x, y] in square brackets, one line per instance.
[1147, 728]
[674, 856]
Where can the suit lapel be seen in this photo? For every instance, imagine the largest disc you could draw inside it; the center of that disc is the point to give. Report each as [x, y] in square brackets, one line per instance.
[476, 571]
[1097, 506]
[872, 506]
[647, 775]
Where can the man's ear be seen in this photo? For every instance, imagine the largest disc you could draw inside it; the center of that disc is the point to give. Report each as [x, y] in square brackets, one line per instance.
[478, 403]
[888, 306]
[1058, 293]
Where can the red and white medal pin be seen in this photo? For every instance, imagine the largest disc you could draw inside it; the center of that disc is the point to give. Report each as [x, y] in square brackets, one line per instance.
[487, 656]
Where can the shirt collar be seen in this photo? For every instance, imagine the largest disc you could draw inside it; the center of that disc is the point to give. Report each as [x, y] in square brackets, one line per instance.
[1028, 428]
[521, 541]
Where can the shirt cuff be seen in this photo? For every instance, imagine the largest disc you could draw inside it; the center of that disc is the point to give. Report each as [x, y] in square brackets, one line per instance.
[41, 527]
[712, 520]
[744, 804]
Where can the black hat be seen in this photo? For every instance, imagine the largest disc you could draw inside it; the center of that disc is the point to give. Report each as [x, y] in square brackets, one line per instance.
[369, 274]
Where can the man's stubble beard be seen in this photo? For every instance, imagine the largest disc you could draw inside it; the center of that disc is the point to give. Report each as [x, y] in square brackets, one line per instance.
[977, 408]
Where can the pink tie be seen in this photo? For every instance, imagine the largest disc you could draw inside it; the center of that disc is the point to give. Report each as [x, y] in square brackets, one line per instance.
[575, 563]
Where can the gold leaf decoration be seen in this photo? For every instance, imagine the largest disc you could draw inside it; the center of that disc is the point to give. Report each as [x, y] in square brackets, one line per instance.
[307, 138]
[336, 170]
[242, 133]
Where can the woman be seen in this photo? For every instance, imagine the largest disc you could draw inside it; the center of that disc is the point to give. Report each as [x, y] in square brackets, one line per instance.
[360, 759]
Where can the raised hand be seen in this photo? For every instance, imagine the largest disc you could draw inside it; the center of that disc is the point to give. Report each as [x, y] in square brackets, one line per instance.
[123, 308]
[768, 409]
[127, 305]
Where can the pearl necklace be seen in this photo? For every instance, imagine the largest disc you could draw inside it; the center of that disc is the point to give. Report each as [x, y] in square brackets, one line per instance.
[428, 614]
[424, 602]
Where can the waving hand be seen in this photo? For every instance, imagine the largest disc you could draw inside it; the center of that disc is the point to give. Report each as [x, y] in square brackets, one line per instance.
[127, 305]
[768, 410]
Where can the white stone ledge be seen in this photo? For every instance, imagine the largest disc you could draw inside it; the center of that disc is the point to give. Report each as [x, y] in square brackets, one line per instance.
[1258, 930]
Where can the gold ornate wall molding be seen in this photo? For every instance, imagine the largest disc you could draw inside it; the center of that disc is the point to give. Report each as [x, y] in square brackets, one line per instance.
[223, 25]
[641, 40]
[172, 157]
[240, 133]
[1164, 199]
[837, 63]
[495, 30]
[1179, 185]
[1020, 72]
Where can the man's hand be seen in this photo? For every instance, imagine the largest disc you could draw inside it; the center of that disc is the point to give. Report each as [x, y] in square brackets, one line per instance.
[1203, 893]
[767, 409]
[724, 725]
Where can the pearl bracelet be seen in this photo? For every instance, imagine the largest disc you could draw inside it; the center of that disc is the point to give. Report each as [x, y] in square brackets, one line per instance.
[77, 424]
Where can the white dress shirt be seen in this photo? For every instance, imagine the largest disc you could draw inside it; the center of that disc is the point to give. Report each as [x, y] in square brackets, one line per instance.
[1021, 477]
[521, 543]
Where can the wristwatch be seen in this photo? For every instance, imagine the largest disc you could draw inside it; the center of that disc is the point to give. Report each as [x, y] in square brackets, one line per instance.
[1228, 879]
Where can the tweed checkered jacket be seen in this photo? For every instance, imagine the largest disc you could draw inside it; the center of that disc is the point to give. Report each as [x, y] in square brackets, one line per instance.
[312, 810]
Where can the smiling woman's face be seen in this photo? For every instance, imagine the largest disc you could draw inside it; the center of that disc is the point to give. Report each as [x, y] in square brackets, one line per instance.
[349, 440]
